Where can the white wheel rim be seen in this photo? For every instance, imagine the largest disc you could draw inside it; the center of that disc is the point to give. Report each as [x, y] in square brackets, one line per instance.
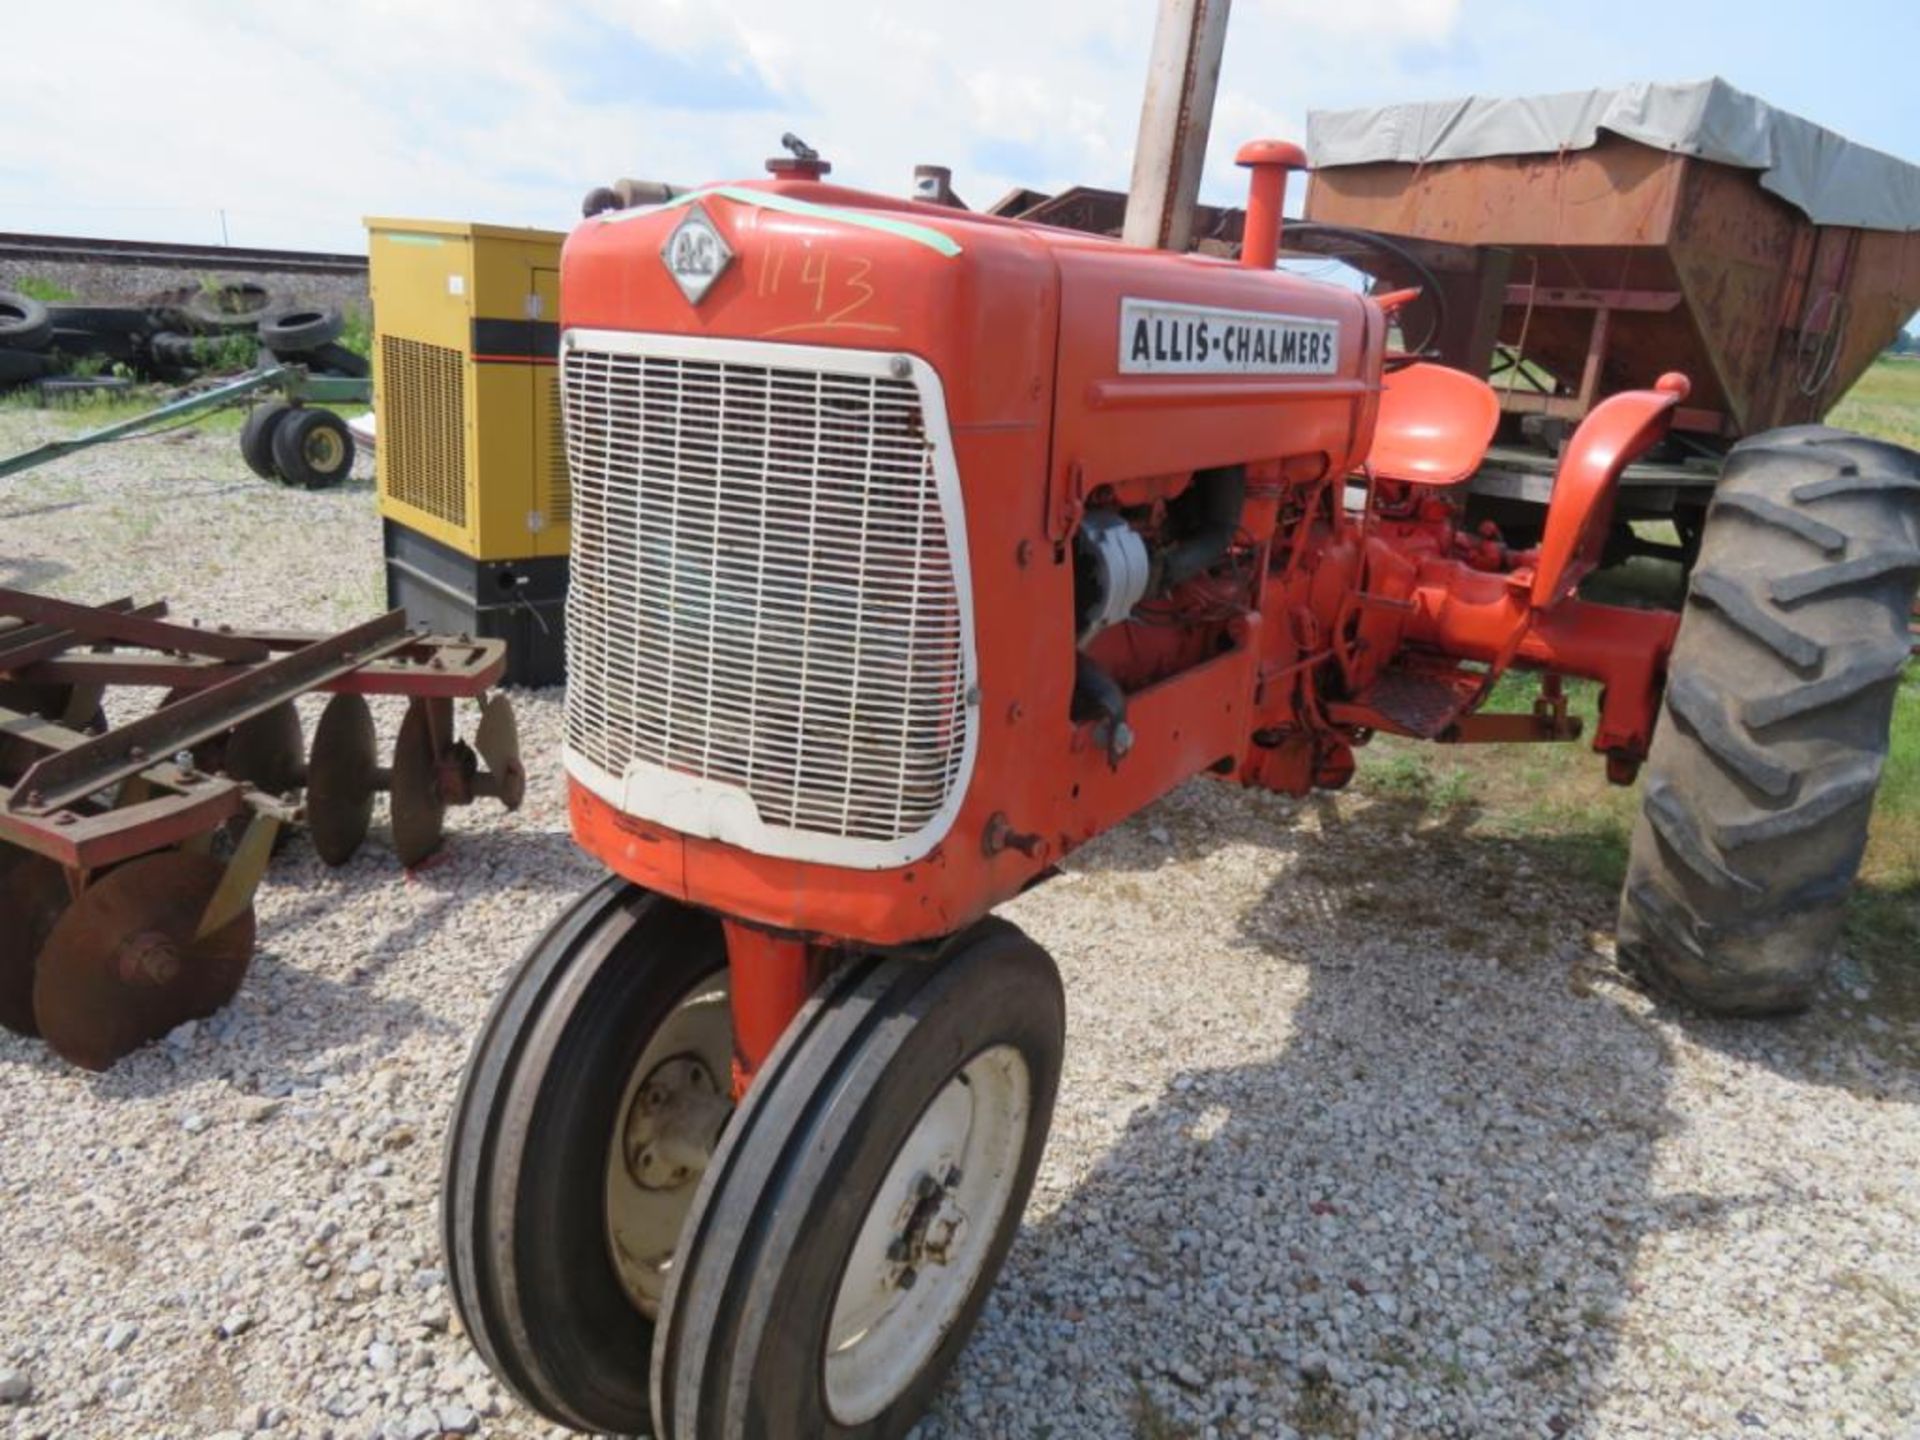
[884, 1331]
[650, 1187]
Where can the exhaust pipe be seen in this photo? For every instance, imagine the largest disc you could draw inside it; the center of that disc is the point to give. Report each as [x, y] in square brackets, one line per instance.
[1271, 161]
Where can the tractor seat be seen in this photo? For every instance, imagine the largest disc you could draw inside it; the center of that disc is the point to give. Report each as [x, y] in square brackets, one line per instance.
[1434, 426]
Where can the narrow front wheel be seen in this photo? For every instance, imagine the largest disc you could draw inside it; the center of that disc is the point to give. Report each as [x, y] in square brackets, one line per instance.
[864, 1198]
[592, 1100]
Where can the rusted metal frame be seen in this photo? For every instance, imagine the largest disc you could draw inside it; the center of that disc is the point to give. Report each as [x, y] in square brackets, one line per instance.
[97, 624]
[1547, 721]
[1589, 392]
[1799, 273]
[86, 841]
[471, 675]
[61, 779]
[23, 643]
[425, 684]
[58, 736]
[1563, 297]
[38, 731]
[419, 649]
[1474, 310]
[1508, 729]
[1703, 422]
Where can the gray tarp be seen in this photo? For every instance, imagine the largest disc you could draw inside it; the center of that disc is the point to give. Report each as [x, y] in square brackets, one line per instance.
[1831, 179]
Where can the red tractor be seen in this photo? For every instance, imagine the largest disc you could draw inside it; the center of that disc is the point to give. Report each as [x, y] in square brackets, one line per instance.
[912, 549]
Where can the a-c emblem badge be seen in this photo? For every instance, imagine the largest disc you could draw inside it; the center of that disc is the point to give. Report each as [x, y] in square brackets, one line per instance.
[695, 254]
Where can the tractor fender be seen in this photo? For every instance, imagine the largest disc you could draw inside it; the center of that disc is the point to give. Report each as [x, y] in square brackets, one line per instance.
[1618, 431]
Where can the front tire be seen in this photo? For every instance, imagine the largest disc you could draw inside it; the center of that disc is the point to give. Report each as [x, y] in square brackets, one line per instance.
[1779, 700]
[864, 1198]
[546, 1260]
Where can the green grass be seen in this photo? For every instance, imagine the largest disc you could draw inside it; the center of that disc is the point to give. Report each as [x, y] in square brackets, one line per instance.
[80, 413]
[358, 336]
[1886, 402]
[45, 291]
[84, 412]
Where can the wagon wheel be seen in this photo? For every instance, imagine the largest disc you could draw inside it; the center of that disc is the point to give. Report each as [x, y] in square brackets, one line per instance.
[419, 808]
[33, 892]
[125, 963]
[343, 771]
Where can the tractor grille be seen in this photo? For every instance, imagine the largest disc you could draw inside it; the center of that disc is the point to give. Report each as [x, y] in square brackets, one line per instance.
[764, 589]
[422, 427]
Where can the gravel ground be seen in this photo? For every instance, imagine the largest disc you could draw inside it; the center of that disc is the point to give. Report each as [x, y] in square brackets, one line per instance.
[1360, 1133]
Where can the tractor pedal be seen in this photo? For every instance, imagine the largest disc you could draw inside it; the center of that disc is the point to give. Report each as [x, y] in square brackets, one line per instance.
[1419, 704]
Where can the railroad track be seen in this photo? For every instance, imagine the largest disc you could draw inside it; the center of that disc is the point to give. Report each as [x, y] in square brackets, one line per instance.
[71, 249]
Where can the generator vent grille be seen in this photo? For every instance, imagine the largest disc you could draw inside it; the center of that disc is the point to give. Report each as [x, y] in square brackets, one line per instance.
[766, 594]
[557, 504]
[422, 427]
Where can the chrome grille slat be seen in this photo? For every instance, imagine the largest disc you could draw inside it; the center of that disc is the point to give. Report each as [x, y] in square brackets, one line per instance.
[764, 588]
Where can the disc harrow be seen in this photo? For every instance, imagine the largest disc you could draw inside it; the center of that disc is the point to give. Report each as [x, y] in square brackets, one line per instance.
[130, 852]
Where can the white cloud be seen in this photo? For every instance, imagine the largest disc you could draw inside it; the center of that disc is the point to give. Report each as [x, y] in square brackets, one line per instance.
[299, 118]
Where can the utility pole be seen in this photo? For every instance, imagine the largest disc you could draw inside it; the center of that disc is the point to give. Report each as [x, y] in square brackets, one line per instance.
[1182, 75]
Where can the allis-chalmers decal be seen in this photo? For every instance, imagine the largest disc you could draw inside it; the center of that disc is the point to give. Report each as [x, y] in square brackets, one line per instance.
[1161, 338]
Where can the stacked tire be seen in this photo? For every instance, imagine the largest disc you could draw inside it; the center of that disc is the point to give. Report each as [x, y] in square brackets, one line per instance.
[309, 335]
[173, 336]
[26, 332]
[309, 448]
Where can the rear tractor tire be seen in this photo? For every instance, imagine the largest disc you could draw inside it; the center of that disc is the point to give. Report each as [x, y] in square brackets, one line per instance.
[1779, 698]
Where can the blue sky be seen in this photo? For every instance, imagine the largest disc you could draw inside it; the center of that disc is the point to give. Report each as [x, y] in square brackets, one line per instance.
[296, 119]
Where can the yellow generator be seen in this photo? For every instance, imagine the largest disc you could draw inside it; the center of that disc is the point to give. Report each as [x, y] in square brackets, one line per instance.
[472, 465]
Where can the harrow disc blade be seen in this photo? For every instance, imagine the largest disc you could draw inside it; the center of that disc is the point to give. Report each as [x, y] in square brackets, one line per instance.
[33, 892]
[419, 809]
[124, 964]
[342, 775]
[265, 752]
[498, 741]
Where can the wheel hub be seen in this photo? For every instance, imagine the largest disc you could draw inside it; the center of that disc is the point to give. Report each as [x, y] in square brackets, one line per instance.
[149, 958]
[923, 1246]
[930, 1229]
[674, 1124]
[668, 1123]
